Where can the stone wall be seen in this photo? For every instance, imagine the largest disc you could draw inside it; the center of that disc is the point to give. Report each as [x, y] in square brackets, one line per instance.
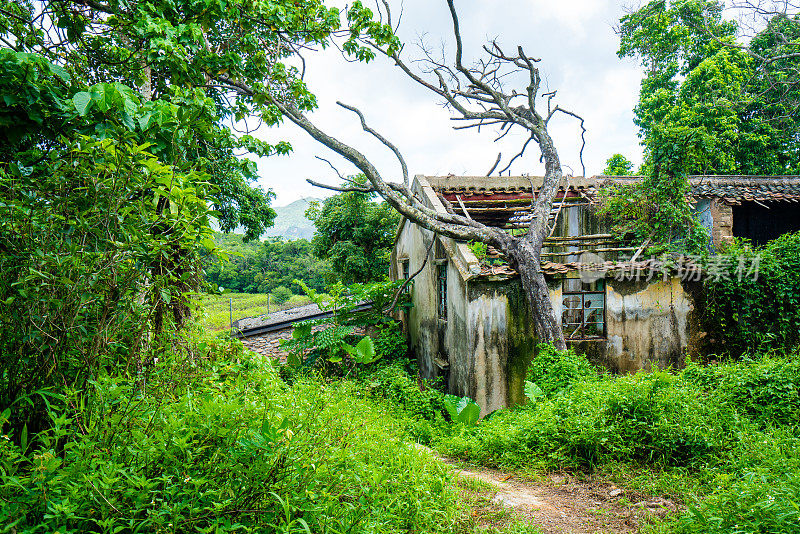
[722, 217]
[269, 344]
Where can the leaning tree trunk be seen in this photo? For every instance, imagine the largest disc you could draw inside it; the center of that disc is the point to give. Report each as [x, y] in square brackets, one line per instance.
[524, 256]
[526, 252]
[477, 97]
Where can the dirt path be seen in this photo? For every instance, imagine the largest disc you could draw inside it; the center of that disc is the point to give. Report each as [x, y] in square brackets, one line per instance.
[560, 503]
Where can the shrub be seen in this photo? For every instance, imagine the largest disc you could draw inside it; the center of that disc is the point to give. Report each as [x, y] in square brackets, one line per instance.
[554, 370]
[394, 383]
[742, 313]
[281, 294]
[757, 488]
[756, 503]
[646, 417]
[766, 391]
[390, 342]
[219, 448]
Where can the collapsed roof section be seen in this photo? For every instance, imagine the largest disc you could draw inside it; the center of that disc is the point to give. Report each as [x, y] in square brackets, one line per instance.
[506, 202]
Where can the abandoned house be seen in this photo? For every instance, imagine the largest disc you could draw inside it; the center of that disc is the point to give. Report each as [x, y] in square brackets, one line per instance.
[470, 322]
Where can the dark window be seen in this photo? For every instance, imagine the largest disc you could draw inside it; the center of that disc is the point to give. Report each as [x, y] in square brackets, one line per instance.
[441, 281]
[761, 224]
[584, 309]
[406, 264]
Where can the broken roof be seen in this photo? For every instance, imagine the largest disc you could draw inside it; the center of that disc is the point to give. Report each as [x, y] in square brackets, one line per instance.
[731, 188]
[505, 202]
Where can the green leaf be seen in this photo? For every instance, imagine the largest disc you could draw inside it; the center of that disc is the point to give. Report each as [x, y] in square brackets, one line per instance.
[462, 410]
[364, 351]
[301, 331]
[82, 101]
[60, 72]
[470, 414]
[532, 391]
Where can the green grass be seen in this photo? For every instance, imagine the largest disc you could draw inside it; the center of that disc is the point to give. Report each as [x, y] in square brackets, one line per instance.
[217, 313]
[724, 440]
[219, 446]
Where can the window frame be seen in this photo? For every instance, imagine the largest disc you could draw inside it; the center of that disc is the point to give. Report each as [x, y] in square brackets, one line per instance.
[441, 290]
[583, 324]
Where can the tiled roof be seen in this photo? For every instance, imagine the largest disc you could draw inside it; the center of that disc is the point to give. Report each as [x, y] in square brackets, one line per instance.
[678, 264]
[732, 189]
[738, 189]
[649, 268]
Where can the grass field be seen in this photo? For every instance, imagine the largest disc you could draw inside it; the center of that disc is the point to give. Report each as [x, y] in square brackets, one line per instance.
[217, 313]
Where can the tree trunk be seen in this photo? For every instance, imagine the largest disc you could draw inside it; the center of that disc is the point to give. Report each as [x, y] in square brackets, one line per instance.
[525, 258]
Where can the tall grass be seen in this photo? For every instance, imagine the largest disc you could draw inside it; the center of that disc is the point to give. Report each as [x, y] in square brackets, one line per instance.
[724, 439]
[219, 446]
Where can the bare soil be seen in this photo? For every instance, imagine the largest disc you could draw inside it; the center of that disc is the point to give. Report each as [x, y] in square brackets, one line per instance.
[561, 503]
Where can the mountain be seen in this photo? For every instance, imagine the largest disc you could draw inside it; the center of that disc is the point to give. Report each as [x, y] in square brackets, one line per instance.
[291, 222]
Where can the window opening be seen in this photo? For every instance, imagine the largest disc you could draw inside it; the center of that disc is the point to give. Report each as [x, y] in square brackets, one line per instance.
[584, 309]
[441, 277]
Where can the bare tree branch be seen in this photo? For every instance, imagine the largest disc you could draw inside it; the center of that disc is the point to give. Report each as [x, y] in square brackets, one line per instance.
[496, 163]
[382, 139]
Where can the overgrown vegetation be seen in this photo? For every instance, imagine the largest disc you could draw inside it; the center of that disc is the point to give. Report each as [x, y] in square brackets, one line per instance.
[757, 308]
[219, 443]
[713, 100]
[723, 438]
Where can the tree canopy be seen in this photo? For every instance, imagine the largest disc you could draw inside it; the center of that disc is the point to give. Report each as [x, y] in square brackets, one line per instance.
[119, 145]
[713, 100]
[263, 266]
[618, 165]
[355, 235]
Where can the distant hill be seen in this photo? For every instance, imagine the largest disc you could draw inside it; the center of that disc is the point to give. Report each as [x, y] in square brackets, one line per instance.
[291, 222]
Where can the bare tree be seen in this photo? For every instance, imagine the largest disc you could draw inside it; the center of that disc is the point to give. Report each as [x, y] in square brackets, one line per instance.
[478, 97]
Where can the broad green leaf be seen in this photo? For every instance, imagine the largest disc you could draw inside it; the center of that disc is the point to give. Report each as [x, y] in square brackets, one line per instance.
[82, 101]
[301, 331]
[470, 414]
[532, 391]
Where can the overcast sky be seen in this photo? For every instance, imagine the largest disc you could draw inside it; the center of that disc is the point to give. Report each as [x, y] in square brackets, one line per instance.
[576, 42]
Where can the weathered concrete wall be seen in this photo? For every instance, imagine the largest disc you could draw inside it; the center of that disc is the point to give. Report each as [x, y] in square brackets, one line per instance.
[647, 324]
[500, 339]
[422, 323]
[455, 348]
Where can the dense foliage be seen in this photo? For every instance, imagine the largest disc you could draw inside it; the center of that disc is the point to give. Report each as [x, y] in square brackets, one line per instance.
[618, 165]
[355, 235]
[553, 370]
[99, 238]
[723, 438]
[116, 153]
[263, 266]
[712, 101]
[220, 446]
[728, 111]
[754, 305]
